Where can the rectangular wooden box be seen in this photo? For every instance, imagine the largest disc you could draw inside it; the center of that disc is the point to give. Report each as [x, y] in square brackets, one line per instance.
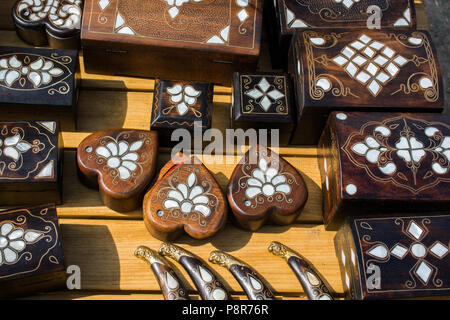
[31, 256]
[187, 40]
[39, 84]
[30, 162]
[287, 16]
[397, 257]
[263, 101]
[379, 163]
[394, 71]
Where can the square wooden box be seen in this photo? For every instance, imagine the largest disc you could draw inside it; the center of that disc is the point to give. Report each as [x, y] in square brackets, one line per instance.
[287, 16]
[30, 162]
[39, 83]
[31, 256]
[183, 40]
[379, 163]
[181, 105]
[263, 101]
[397, 257]
[394, 71]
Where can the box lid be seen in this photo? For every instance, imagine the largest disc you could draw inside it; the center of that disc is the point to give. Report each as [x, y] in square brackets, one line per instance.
[393, 156]
[313, 14]
[361, 69]
[408, 254]
[215, 25]
[30, 76]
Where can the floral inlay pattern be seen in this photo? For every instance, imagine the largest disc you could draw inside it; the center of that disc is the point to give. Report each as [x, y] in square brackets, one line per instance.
[184, 99]
[187, 194]
[370, 62]
[266, 182]
[14, 147]
[62, 14]
[411, 153]
[188, 197]
[39, 72]
[121, 156]
[20, 71]
[423, 269]
[265, 94]
[14, 240]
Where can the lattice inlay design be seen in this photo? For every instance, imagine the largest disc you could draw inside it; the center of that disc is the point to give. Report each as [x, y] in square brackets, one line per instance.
[370, 62]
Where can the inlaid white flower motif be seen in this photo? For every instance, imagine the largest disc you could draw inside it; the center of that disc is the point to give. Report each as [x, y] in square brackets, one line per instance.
[14, 147]
[261, 91]
[266, 181]
[175, 4]
[121, 156]
[13, 241]
[39, 72]
[188, 197]
[184, 97]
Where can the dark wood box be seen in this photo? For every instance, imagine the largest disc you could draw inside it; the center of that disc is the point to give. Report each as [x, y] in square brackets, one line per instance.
[181, 105]
[31, 256]
[30, 162]
[263, 101]
[56, 23]
[394, 71]
[183, 40]
[395, 257]
[39, 83]
[287, 16]
[380, 163]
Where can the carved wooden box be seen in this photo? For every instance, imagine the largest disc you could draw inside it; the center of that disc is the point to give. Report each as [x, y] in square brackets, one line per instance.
[53, 22]
[265, 187]
[184, 40]
[263, 101]
[121, 163]
[39, 83]
[384, 162]
[395, 257]
[185, 198]
[31, 256]
[394, 71]
[30, 162]
[181, 105]
[287, 16]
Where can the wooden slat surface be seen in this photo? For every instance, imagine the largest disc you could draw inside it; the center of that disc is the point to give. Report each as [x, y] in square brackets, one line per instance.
[102, 241]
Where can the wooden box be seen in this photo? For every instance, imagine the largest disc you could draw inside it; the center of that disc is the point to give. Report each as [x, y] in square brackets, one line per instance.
[263, 101]
[39, 83]
[55, 22]
[384, 162]
[181, 105]
[394, 71]
[287, 16]
[182, 40]
[395, 257]
[30, 162]
[31, 256]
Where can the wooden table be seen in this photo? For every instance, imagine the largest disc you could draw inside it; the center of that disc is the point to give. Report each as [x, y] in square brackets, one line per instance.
[101, 242]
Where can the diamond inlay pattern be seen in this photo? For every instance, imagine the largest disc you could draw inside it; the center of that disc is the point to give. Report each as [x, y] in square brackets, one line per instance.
[370, 62]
